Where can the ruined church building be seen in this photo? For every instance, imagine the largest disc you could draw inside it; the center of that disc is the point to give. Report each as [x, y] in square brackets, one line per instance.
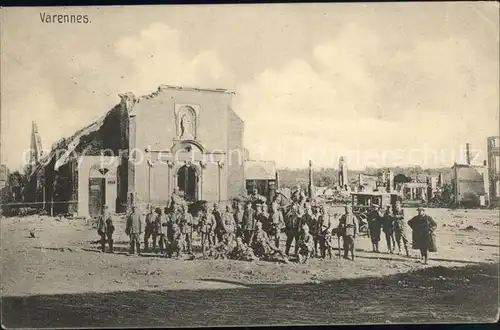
[176, 137]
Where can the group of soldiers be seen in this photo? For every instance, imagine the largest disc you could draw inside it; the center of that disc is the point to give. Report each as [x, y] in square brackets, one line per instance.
[249, 231]
[392, 223]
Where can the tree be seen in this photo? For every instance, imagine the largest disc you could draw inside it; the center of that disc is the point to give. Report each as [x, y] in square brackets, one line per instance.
[324, 181]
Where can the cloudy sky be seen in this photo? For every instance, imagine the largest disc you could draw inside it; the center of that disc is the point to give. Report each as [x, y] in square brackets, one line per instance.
[382, 84]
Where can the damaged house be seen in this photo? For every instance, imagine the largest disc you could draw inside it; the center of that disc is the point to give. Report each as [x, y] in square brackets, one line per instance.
[144, 148]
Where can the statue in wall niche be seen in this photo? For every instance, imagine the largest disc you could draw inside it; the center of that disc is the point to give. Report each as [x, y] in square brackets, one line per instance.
[186, 124]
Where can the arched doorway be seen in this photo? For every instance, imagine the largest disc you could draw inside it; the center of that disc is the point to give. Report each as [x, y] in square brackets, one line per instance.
[97, 189]
[187, 181]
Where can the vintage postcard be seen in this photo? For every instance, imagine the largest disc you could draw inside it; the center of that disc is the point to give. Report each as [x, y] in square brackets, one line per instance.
[242, 165]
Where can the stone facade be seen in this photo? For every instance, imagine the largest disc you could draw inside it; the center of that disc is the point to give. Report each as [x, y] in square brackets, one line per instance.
[470, 185]
[186, 138]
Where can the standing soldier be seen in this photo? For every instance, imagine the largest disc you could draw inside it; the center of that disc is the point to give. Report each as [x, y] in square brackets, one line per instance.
[110, 229]
[275, 222]
[374, 219]
[238, 219]
[173, 219]
[248, 223]
[228, 224]
[219, 229]
[305, 244]
[400, 227]
[388, 229]
[261, 217]
[255, 198]
[325, 228]
[186, 228]
[311, 219]
[134, 229]
[423, 227]
[298, 196]
[292, 222]
[175, 200]
[348, 228]
[308, 216]
[207, 229]
[148, 229]
[105, 229]
[160, 221]
[177, 245]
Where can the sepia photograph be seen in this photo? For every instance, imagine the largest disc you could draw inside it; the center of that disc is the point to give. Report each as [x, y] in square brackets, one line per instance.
[250, 164]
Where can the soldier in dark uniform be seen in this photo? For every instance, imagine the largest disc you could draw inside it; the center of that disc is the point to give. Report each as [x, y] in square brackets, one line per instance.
[238, 219]
[248, 223]
[400, 231]
[374, 219]
[105, 229]
[293, 220]
[110, 229]
[148, 229]
[134, 229]
[388, 229]
[159, 222]
[219, 228]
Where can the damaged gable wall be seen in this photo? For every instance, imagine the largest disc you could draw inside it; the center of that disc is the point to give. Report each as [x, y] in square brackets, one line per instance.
[61, 186]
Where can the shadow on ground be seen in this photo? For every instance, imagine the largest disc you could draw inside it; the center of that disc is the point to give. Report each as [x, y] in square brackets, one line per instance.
[433, 294]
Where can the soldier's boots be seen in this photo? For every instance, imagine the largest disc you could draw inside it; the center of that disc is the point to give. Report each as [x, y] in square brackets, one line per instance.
[146, 246]
[287, 250]
[111, 246]
[103, 244]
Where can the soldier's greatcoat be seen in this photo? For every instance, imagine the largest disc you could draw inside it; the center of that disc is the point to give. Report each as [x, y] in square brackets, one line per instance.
[423, 237]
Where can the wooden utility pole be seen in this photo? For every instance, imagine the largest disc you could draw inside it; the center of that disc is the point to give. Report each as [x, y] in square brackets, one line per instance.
[310, 187]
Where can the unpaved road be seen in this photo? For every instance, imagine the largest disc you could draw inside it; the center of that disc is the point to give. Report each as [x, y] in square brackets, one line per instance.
[58, 279]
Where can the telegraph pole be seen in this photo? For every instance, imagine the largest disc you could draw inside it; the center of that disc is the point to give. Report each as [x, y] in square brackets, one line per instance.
[311, 187]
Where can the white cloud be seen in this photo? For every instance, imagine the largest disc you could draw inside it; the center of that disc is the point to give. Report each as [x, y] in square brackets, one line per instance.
[356, 91]
[361, 93]
[70, 90]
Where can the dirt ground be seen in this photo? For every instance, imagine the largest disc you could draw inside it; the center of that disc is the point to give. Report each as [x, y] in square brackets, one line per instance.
[59, 278]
